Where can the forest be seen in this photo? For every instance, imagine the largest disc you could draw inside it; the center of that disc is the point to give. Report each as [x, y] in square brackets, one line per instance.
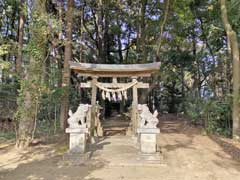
[196, 42]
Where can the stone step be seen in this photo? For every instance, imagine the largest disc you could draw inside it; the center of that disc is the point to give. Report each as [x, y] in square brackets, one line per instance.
[114, 128]
[110, 131]
[114, 132]
[115, 123]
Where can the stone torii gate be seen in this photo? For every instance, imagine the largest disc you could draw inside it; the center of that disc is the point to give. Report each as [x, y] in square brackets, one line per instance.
[115, 71]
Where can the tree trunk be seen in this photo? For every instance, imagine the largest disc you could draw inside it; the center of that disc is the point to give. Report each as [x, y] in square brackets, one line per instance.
[59, 51]
[141, 51]
[27, 118]
[183, 89]
[120, 55]
[128, 44]
[140, 47]
[31, 84]
[228, 67]
[46, 65]
[100, 33]
[106, 38]
[232, 37]
[197, 80]
[20, 38]
[66, 70]
[161, 30]
[81, 57]
[214, 76]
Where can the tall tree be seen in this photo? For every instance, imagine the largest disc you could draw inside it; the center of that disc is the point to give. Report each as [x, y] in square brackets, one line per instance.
[100, 31]
[20, 37]
[31, 83]
[140, 49]
[233, 41]
[66, 70]
[162, 29]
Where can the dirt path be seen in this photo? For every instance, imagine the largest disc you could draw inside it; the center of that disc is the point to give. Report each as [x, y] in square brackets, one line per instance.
[188, 155]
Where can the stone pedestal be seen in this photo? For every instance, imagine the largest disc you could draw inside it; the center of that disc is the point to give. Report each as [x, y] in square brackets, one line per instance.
[148, 140]
[77, 139]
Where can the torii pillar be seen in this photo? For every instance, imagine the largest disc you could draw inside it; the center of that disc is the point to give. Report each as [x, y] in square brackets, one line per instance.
[134, 115]
[93, 105]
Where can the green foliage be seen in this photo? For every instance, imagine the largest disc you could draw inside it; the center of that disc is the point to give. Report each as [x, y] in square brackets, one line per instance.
[4, 49]
[7, 135]
[234, 15]
[195, 109]
[32, 86]
[218, 117]
[48, 112]
[5, 64]
[215, 115]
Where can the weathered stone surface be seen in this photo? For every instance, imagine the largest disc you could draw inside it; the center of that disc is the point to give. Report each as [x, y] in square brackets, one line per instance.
[154, 158]
[78, 129]
[77, 142]
[147, 130]
[147, 119]
[148, 143]
[78, 119]
[77, 139]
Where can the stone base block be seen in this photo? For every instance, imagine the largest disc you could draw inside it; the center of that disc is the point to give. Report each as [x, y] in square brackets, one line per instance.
[148, 140]
[148, 143]
[77, 140]
[151, 158]
[77, 143]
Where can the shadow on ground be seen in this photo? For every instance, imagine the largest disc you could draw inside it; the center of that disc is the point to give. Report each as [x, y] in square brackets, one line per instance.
[174, 125]
[49, 169]
[183, 135]
[97, 145]
[228, 147]
[44, 161]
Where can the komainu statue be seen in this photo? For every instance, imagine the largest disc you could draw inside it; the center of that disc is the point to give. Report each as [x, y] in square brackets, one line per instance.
[79, 118]
[147, 119]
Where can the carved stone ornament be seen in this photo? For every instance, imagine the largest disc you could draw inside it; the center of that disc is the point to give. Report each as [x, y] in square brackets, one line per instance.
[147, 119]
[78, 119]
